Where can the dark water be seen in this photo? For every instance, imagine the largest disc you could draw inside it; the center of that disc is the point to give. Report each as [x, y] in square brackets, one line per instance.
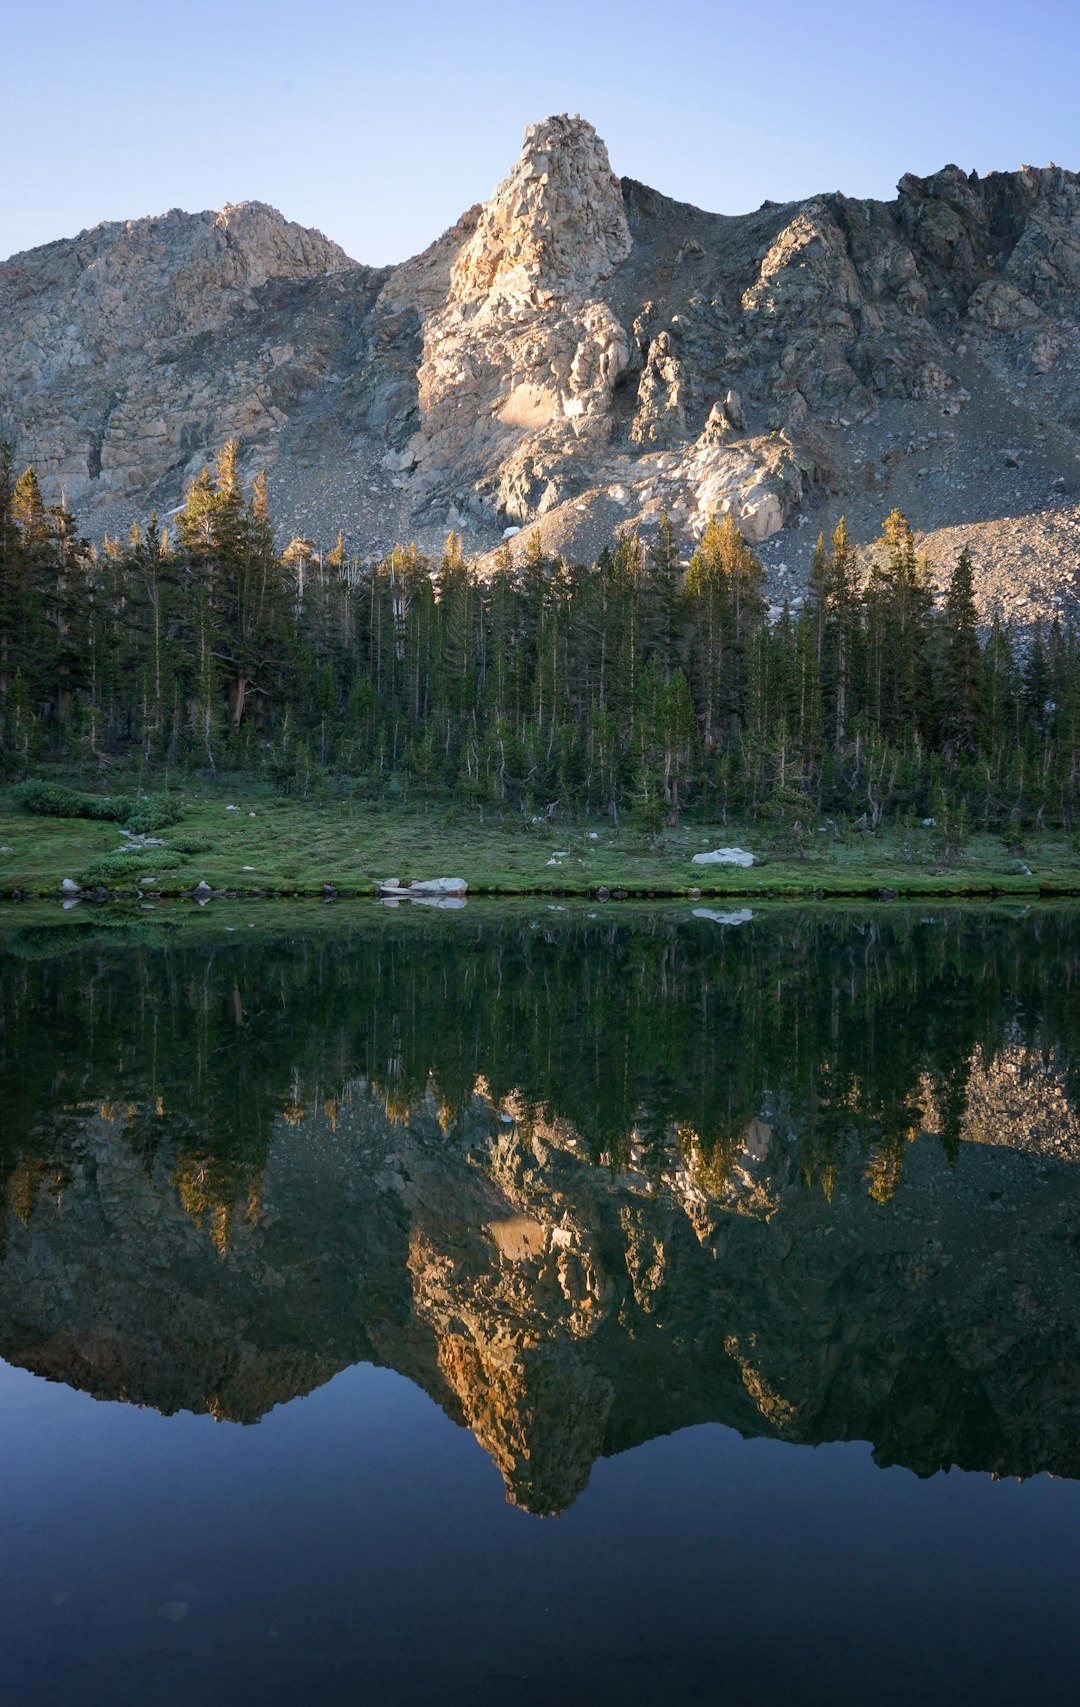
[534, 1305]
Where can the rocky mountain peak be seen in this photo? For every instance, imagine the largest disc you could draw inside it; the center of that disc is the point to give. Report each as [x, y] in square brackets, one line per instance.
[554, 227]
[579, 354]
[112, 343]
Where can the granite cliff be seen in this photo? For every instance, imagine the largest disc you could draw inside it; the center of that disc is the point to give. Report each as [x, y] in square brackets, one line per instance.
[578, 353]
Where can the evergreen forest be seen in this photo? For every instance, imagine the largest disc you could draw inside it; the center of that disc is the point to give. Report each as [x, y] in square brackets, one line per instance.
[640, 681]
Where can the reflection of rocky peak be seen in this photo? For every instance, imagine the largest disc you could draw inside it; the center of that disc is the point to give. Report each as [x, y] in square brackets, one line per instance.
[563, 1310]
[542, 1416]
[507, 1276]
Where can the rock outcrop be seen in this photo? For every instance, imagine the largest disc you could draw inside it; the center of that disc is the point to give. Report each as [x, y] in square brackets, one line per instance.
[520, 366]
[580, 353]
[109, 372]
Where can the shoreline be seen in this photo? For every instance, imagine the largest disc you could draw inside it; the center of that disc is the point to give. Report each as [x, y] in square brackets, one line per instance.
[239, 841]
[932, 889]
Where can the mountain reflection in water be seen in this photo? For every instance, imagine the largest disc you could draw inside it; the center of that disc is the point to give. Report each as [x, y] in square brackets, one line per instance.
[584, 1179]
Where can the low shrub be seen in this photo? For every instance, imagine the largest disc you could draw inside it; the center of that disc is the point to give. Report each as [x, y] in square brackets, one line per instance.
[141, 815]
[54, 800]
[152, 812]
[125, 863]
[191, 844]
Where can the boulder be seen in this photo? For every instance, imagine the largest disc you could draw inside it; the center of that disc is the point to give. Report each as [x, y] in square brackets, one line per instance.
[724, 856]
[761, 518]
[426, 888]
[438, 886]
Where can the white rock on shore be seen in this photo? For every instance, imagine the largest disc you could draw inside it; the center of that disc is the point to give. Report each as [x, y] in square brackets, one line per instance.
[724, 856]
[427, 888]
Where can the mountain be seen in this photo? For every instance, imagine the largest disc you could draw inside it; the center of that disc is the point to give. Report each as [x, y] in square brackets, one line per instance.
[581, 352]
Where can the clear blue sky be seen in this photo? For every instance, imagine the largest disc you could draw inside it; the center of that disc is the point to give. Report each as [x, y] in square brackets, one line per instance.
[380, 123]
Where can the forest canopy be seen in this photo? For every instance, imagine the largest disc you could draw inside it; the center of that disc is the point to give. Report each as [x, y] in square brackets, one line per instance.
[636, 681]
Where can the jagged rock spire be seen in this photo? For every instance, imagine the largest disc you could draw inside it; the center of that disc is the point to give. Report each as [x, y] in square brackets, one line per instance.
[555, 226]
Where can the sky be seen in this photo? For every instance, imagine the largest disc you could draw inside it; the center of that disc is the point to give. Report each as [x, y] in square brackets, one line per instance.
[380, 123]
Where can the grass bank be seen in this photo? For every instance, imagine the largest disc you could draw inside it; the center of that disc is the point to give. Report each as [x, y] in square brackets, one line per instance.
[244, 839]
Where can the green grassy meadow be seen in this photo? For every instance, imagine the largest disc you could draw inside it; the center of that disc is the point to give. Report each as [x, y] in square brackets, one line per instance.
[244, 838]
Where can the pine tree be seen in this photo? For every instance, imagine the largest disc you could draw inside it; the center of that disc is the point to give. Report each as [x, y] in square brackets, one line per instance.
[899, 603]
[661, 593]
[961, 661]
[240, 594]
[1036, 682]
[12, 592]
[679, 731]
[709, 621]
[999, 707]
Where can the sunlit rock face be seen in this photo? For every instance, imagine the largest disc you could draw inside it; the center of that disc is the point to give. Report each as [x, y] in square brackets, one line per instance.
[581, 353]
[520, 367]
[553, 230]
[124, 350]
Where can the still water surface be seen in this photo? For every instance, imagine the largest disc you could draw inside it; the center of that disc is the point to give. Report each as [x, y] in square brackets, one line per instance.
[525, 1305]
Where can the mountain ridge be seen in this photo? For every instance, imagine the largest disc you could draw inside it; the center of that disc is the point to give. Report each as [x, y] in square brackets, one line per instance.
[580, 352]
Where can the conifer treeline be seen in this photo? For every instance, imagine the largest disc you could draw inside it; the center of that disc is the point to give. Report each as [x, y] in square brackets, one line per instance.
[634, 681]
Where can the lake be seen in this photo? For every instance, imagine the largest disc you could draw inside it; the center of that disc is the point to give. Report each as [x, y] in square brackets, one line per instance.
[535, 1303]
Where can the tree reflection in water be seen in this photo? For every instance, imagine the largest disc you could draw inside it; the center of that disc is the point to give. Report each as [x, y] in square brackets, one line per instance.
[584, 1178]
